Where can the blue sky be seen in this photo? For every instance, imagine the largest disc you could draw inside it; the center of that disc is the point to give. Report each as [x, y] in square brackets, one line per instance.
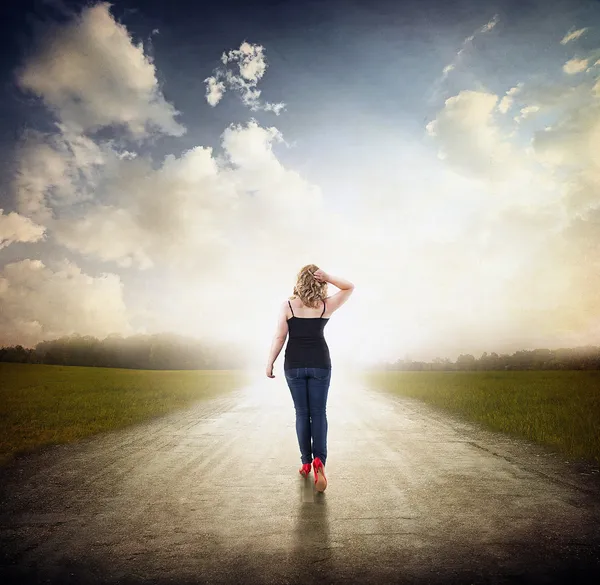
[379, 164]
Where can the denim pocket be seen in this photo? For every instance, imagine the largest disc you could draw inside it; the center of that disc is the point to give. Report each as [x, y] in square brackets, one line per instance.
[322, 373]
[292, 373]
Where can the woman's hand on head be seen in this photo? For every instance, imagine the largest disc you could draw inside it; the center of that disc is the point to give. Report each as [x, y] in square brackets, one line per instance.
[320, 275]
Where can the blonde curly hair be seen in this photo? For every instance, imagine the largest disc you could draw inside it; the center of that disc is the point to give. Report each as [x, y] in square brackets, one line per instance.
[308, 289]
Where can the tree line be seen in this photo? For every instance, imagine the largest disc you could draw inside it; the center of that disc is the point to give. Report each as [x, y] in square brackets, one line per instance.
[146, 352]
[577, 358]
[165, 351]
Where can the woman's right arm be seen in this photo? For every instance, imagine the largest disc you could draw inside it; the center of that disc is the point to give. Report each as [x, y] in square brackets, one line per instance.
[335, 301]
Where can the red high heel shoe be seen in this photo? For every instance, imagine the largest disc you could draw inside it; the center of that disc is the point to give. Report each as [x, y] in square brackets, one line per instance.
[319, 471]
[305, 470]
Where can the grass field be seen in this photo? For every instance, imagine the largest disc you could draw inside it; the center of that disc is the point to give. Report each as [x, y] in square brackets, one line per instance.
[42, 405]
[556, 408]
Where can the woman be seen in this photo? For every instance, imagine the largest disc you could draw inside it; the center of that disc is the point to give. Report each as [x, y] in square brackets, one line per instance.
[307, 365]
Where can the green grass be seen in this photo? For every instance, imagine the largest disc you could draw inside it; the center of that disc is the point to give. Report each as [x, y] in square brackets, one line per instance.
[560, 409]
[43, 405]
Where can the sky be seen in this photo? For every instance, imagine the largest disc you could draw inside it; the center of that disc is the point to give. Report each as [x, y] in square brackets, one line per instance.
[171, 167]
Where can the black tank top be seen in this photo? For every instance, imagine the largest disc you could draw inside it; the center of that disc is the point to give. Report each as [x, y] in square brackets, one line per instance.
[306, 347]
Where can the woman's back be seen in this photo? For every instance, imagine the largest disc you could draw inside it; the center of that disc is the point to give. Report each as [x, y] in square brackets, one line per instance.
[306, 345]
[298, 309]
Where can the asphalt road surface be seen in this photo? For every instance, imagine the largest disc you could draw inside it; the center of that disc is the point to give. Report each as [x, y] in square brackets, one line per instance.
[212, 495]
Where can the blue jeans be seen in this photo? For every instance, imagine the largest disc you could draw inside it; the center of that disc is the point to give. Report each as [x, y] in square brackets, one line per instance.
[309, 388]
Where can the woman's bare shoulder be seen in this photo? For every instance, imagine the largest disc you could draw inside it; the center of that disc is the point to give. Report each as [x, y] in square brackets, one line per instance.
[286, 306]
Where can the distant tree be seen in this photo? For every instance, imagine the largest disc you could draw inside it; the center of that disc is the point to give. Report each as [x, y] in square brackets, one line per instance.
[465, 362]
[158, 351]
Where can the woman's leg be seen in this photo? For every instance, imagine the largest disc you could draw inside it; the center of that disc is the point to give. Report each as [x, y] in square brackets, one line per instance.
[318, 389]
[297, 382]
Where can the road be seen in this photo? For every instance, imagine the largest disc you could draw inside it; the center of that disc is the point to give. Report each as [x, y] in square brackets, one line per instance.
[212, 495]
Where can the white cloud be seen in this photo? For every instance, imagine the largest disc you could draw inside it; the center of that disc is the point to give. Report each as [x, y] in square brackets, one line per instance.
[575, 65]
[250, 59]
[505, 104]
[507, 100]
[275, 108]
[17, 228]
[40, 168]
[91, 74]
[55, 170]
[567, 265]
[202, 226]
[572, 143]
[571, 148]
[573, 35]
[251, 146]
[549, 99]
[538, 249]
[186, 213]
[110, 233]
[214, 90]
[526, 112]
[490, 25]
[465, 44]
[167, 215]
[40, 303]
[252, 65]
[468, 136]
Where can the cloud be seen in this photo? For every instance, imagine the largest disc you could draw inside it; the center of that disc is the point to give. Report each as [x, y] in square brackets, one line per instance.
[564, 270]
[250, 59]
[465, 45]
[468, 136]
[573, 35]
[536, 230]
[203, 226]
[526, 112]
[251, 146]
[251, 66]
[109, 233]
[573, 142]
[575, 65]
[214, 91]
[169, 215]
[186, 212]
[490, 25]
[55, 170]
[40, 303]
[571, 147]
[537, 98]
[91, 75]
[507, 100]
[16, 228]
